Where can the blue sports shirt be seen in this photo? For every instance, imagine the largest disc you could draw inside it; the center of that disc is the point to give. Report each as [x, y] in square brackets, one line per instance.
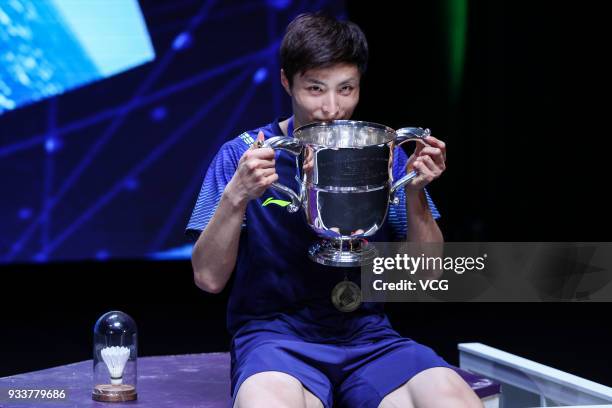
[275, 285]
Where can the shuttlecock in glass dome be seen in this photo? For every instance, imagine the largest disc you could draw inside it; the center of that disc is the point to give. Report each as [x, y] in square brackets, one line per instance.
[115, 359]
[115, 352]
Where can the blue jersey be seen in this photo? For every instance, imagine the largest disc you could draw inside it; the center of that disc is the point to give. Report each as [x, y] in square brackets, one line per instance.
[276, 286]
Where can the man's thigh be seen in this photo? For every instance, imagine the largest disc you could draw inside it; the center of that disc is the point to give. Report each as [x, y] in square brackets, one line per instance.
[434, 387]
[274, 389]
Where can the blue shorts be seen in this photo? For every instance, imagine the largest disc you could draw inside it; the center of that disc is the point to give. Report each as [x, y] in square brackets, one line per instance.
[346, 375]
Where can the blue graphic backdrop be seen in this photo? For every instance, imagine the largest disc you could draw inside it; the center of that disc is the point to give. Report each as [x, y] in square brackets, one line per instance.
[51, 46]
[112, 169]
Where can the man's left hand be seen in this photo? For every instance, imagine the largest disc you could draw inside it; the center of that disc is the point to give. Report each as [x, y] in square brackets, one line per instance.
[428, 161]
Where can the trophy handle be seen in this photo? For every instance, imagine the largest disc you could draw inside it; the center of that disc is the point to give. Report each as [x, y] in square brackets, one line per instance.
[291, 145]
[404, 135]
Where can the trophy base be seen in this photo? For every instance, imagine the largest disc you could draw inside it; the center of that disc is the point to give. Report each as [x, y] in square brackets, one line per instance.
[342, 252]
[114, 393]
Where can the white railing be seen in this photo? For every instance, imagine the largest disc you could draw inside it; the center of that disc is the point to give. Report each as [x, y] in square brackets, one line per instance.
[547, 382]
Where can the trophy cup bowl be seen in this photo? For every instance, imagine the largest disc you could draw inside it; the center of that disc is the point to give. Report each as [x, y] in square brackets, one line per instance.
[344, 170]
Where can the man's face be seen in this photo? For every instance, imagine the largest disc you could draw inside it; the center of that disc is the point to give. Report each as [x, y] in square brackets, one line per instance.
[324, 94]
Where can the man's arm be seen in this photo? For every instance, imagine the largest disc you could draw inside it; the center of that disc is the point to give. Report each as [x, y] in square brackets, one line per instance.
[420, 223]
[214, 255]
[423, 230]
[430, 163]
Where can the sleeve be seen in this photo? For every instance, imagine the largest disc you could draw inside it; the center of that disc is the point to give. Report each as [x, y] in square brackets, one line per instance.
[218, 175]
[397, 213]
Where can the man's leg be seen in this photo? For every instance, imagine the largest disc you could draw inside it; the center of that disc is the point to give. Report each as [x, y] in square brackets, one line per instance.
[432, 388]
[273, 389]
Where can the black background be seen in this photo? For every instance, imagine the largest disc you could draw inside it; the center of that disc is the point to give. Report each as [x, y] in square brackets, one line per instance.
[526, 162]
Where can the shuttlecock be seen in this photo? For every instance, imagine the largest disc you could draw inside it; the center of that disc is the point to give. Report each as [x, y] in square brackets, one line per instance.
[115, 359]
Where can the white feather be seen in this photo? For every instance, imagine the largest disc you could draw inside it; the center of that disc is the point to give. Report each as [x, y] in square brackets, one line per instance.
[115, 359]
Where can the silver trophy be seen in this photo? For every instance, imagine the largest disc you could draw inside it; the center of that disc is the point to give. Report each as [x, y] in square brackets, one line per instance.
[344, 170]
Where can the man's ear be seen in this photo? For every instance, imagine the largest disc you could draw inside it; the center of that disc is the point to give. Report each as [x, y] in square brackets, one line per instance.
[285, 82]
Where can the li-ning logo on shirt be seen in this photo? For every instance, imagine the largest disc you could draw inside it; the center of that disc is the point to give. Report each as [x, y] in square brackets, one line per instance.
[271, 200]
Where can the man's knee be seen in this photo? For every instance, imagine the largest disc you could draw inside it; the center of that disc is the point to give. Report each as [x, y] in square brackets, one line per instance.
[437, 386]
[451, 386]
[275, 390]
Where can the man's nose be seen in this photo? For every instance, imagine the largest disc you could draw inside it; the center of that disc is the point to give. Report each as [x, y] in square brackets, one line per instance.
[330, 107]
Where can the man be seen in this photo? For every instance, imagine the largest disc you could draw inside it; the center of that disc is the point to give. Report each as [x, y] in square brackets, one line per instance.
[291, 347]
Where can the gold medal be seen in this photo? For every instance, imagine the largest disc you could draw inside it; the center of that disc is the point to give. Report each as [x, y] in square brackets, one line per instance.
[346, 296]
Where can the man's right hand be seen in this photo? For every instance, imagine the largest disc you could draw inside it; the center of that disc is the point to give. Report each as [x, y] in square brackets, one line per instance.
[255, 173]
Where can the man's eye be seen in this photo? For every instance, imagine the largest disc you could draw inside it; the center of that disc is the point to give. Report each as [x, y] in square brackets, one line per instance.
[314, 88]
[346, 89]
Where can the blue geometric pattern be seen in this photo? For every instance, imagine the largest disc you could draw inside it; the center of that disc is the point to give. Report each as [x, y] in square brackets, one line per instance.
[50, 47]
[217, 177]
[112, 169]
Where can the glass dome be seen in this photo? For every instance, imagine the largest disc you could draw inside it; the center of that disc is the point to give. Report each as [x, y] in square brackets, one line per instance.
[115, 351]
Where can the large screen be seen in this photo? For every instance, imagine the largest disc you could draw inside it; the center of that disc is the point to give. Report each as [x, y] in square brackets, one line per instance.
[51, 46]
[102, 153]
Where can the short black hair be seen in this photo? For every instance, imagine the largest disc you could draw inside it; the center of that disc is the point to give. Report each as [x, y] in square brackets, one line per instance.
[317, 40]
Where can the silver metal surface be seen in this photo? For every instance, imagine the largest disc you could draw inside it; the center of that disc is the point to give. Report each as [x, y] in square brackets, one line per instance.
[348, 253]
[344, 134]
[407, 135]
[294, 147]
[345, 174]
[346, 296]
